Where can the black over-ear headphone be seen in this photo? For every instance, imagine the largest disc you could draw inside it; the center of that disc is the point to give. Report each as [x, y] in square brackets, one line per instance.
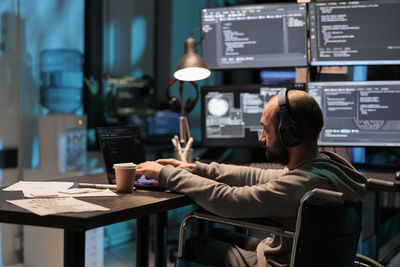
[289, 130]
[174, 101]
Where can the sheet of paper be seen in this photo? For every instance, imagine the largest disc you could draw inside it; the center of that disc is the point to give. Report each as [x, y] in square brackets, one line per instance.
[46, 206]
[39, 186]
[87, 193]
[92, 193]
[39, 193]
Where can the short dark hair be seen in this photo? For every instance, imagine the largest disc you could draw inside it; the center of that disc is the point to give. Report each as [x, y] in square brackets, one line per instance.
[307, 113]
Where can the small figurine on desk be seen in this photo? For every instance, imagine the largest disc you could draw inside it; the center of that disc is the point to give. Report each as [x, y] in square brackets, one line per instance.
[185, 153]
[184, 142]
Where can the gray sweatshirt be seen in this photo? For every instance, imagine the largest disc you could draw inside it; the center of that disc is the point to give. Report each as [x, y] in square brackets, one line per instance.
[244, 192]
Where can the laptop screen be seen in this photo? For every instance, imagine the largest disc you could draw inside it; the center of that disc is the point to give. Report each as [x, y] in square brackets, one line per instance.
[120, 144]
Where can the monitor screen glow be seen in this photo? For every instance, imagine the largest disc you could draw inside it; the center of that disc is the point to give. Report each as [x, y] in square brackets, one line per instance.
[231, 114]
[359, 113]
[254, 36]
[355, 33]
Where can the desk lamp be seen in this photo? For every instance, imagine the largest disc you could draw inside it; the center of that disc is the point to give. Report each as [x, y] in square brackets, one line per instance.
[191, 67]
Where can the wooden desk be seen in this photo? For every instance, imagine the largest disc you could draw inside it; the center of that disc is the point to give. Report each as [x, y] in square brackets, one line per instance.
[137, 205]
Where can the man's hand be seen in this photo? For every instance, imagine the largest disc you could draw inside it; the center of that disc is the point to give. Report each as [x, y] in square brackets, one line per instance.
[174, 162]
[177, 164]
[150, 169]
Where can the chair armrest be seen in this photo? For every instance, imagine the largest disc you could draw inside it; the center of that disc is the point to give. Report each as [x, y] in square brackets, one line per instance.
[382, 185]
[362, 261]
[259, 224]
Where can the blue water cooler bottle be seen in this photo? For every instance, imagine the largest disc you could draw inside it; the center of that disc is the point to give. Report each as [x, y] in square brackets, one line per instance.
[61, 80]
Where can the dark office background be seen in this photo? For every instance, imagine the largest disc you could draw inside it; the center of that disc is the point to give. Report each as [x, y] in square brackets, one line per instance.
[125, 41]
[148, 42]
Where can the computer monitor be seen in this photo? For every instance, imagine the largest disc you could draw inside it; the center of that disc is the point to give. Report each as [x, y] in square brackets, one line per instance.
[359, 113]
[231, 114]
[254, 36]
[355, 32]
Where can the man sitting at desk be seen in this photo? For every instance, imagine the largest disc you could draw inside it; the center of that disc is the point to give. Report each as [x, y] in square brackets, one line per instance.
[291, 126]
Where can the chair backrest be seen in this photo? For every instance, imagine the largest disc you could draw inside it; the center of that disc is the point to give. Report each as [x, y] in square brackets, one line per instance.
[327, 234]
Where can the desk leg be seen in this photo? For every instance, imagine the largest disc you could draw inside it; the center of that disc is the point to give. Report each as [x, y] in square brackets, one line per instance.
[161, 239]
[378, 222]
[142, 241]
[74, 248]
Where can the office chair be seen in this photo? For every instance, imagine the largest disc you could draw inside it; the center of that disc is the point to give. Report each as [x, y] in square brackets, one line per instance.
[364, 261]
[326, 232]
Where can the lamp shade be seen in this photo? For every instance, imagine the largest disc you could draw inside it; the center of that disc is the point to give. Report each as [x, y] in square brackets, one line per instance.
[191, 67]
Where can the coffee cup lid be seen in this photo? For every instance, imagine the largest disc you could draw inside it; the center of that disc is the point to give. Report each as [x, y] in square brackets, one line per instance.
[126, 166]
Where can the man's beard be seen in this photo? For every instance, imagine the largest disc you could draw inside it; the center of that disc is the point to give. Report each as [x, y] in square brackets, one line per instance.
[277, 153]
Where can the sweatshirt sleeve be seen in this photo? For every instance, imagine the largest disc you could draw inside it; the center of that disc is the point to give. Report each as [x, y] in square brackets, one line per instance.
[277, 198]
[235, 175]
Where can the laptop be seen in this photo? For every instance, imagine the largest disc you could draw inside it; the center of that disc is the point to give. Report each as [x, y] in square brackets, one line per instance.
[121, 144]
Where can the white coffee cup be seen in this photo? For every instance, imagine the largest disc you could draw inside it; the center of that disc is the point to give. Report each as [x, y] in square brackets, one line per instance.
[125, 176]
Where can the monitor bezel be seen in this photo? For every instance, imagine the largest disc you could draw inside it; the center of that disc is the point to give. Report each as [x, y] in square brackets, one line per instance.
[350, 144]
[236, 142]
[307, 54]
[322, 63]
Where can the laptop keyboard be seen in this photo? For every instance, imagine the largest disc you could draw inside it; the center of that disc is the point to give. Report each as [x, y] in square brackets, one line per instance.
[143, 180]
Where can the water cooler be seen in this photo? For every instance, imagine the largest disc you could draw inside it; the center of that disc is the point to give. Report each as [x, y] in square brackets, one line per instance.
[62, 150]
[62, 142]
